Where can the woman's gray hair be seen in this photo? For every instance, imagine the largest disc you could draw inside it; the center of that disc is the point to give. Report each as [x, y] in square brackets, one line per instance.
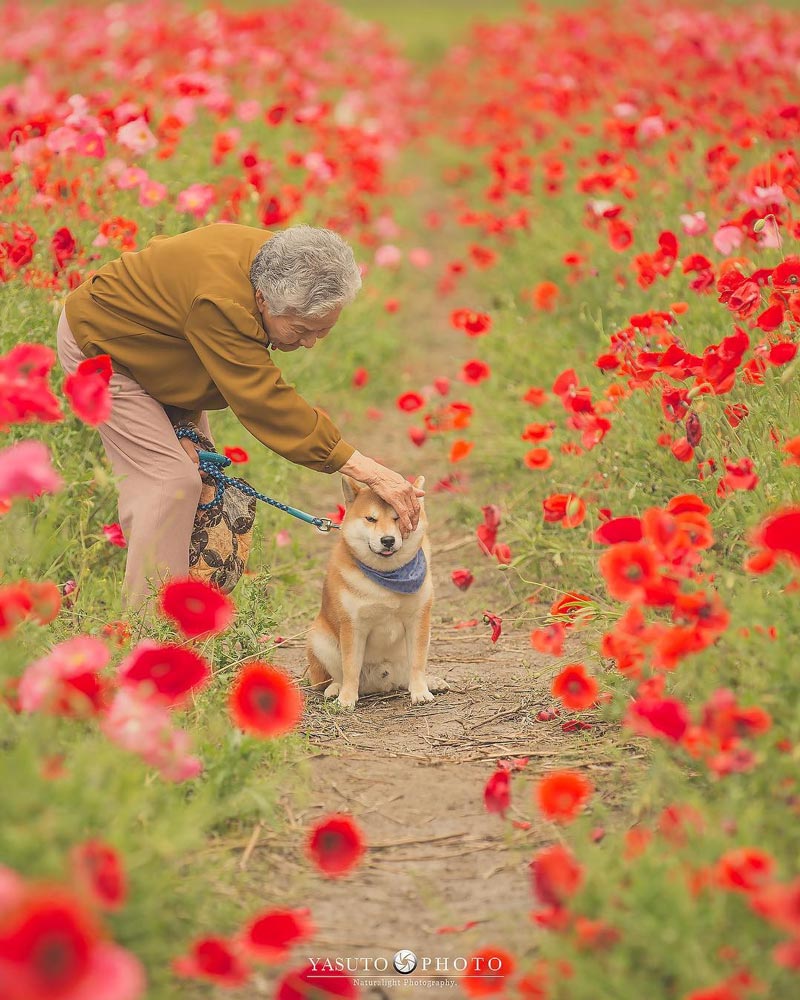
[306, 272]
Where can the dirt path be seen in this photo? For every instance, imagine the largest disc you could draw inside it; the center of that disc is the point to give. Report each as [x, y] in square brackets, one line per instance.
[441, 876]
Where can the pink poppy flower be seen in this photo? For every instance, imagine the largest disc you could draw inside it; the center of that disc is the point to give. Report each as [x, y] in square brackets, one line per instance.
[25, 471]
[137, 137]
[197, 199]
[727, 239]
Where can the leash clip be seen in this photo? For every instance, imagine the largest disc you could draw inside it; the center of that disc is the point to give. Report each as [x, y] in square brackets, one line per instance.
[326, 524]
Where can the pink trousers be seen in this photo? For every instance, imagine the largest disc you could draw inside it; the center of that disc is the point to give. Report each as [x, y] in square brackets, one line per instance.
[159, 485]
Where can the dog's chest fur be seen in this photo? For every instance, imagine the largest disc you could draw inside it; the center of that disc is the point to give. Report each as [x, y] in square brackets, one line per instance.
[380, 614]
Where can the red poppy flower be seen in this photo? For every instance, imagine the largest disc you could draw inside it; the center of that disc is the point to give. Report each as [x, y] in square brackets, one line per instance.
[88, 392]
[792, 449]
[460, 449]
[335, 845]
[549, 639]
[666, 718]
[497, 793]
[214, 960]
[462, 578]
[488, 973]
[538, 458]
[502, 553]
[780, 904]
[275, 114]
[574, 688]
[50, 946]
[556, 875]
[782, 353]
[630, 570]
[786, 276]
[619, 529]
[744, 869]
[687, 503]
[739, 476]
[98, 869]
[770, 319]
[237, 455]
[321, 984]
[195, 607]
[15, 605]
[264, 702]
[535, 396]
[571, 606]
[495, 622]
[561, 795]
[545, 296]
[410, 401]
[537, 432]
[472, 323]
[269, 936]
[113, 533]
[564, 508]
[360, 377]
[45, 601]
[171, 673]
[473, 372]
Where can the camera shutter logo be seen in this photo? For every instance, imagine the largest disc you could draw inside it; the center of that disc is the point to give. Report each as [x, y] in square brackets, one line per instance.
[405, 962]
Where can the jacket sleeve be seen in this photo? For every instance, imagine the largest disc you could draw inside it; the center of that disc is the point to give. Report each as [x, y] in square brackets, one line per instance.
[231, 346]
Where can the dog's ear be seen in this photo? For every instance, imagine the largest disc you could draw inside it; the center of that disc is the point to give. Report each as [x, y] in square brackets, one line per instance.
[349, 489]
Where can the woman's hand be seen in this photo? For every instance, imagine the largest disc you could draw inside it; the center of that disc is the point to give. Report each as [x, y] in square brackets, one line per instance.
[389, 486]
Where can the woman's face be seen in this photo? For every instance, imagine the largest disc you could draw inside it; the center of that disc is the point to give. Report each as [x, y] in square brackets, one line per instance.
[288, 333]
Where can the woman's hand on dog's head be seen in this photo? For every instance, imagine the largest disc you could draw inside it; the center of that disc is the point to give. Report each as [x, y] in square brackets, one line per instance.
[389, 486]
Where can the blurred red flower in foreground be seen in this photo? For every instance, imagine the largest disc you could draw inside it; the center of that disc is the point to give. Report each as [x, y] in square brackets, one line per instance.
[212, 959]
[561, 795]
[195, 607]
[556, 875]
[264, 701]
[88, 392]
[488, 973]
[98, 869]
[270, 936]
[335, 845]
[497, 792]
[113, 533]
[51, 948]
[302, 984]
[166, 672]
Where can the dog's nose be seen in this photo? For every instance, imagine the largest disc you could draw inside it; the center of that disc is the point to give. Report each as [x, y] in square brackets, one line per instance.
[387, 541]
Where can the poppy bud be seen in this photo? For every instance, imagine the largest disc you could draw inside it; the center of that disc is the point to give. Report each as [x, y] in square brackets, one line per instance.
[694, 430]
[758, 225]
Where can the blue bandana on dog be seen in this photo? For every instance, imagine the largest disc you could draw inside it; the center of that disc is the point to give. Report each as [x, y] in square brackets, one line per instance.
[405, 580]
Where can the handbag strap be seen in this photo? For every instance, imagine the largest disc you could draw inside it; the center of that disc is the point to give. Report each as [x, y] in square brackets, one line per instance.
[212, 464]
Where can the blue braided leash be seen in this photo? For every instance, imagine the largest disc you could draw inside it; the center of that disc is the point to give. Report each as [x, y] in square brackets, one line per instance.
[212, 464]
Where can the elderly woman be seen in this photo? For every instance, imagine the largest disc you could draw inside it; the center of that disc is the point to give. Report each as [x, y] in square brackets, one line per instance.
[189, 323]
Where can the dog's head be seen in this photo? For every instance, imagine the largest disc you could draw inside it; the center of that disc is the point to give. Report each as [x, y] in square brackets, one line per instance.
[371, 531]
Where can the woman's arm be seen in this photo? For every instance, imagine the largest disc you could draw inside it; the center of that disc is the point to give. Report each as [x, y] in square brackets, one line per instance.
[390, 486]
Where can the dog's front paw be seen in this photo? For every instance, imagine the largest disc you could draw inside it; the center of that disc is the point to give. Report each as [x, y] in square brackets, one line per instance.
[347, 699]
[438, 684]
[332, 690]
[420, 694]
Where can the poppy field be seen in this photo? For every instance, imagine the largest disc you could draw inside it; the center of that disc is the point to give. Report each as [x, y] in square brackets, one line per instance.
[579, 233]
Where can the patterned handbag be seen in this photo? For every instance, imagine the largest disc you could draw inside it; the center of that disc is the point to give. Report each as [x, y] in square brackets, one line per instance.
[223, 526]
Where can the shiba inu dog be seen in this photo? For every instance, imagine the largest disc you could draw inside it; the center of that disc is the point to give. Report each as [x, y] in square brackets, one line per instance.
[373, 630]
